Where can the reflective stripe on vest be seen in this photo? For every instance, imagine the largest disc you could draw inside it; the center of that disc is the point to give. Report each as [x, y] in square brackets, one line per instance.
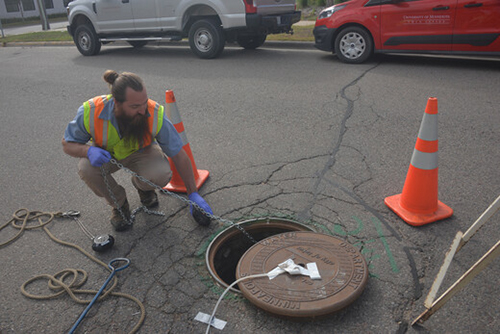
[105, 135]
[155, 117]
[99, 102]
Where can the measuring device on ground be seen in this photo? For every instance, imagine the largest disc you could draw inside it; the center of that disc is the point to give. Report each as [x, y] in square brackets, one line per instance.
[100, 243]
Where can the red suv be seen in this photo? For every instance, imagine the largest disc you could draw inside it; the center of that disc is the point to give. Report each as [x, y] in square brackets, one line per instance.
[355, 29]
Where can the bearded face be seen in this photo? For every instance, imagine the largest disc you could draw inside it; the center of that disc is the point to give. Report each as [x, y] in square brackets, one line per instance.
[132, 116]
[133, 127]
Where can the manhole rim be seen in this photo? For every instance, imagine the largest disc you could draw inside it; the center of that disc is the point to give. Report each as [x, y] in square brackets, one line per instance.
[232, 230]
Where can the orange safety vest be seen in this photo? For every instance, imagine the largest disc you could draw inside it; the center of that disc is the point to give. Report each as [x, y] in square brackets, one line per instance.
[105, 135]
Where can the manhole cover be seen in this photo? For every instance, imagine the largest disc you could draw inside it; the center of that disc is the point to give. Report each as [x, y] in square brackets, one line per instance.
[343, 271]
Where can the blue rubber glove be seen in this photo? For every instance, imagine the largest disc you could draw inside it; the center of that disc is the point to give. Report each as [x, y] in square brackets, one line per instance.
[98, 156]
[199, 217]
[195, 197]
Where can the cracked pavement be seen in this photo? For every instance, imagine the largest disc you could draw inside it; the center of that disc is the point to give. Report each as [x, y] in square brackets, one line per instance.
[283, 133]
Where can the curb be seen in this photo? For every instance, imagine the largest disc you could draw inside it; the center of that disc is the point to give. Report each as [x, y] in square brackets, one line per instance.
[290, 44]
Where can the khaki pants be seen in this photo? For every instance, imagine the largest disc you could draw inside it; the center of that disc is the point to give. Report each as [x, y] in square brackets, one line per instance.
[151, 163]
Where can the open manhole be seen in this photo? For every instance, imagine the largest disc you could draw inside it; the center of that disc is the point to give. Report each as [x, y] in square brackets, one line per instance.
[225, 251]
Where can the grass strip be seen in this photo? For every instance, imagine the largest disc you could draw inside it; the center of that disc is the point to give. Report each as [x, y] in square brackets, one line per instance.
[300, 34]
[44, 36]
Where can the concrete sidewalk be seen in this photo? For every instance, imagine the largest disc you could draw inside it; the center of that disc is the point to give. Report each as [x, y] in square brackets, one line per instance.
[56, 26]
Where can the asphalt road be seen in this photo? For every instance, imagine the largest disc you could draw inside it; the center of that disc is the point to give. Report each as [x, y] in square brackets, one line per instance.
[283, 131]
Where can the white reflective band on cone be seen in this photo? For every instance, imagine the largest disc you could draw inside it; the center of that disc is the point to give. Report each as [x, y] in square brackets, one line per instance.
[424, 160]
[173, 113]
[184, 138]
[429, 127]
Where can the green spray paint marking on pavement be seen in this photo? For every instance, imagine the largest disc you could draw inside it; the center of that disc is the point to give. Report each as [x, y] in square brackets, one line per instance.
[338, 229]
[369, 255]
[378, 227]
[366, 251]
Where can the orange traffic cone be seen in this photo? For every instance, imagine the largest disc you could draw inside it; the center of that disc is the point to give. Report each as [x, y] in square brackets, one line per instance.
[200, 176]
[418, 204]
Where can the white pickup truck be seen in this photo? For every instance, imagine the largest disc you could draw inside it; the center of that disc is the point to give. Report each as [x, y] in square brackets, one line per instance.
[207, 24]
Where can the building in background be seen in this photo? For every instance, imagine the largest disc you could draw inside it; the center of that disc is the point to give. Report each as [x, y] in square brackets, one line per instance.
[10, 9]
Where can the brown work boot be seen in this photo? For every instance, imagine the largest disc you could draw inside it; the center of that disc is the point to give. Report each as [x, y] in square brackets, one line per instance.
[119, 224]
[148, 198]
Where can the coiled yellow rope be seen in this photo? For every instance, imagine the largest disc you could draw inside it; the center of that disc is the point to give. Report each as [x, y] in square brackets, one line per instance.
[78, 276]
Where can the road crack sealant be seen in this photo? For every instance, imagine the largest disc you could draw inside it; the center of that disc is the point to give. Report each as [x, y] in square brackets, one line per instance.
[403, 318]
[336, 148]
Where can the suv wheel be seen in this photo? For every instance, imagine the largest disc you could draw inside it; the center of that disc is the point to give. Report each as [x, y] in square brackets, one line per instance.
[251, 42]
[206, 38]
[86, 40]
[353, 45]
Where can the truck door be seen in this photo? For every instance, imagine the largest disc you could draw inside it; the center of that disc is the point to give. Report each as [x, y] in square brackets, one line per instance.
[477, 27]
[417, 25]
[146, 14]
[167, 10]
[113, 15]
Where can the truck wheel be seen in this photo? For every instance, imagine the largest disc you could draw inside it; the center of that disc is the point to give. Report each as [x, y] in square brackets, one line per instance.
[353, 45]
[137, 44]
[251, 42]
[206, 39]
[86, 40]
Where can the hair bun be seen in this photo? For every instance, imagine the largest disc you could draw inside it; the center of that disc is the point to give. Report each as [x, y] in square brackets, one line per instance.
[110, 76]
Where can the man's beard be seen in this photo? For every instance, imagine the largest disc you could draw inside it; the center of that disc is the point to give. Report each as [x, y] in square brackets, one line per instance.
[134, 128]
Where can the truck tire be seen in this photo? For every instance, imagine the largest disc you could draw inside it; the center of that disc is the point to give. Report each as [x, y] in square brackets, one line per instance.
[137, 44]
[251, 42]
[86, 40]
[206, 38]
[353, 45]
